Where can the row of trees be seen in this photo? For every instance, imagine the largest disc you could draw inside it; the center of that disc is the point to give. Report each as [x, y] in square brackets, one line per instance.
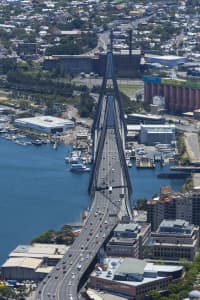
[30, 84]
[74, 45]
[35, 82]
[86, 105]
[63, 236]
[183, 155]
[18, 293]
[129, 106]
[165, 31]
[180, 289]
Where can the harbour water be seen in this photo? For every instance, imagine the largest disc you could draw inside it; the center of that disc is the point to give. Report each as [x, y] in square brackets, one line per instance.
[38, 192]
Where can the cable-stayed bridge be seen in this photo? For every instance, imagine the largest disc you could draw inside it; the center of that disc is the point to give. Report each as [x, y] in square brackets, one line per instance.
[109, 190]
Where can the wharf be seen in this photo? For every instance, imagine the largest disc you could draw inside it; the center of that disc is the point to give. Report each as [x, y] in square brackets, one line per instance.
[145, 162]
[190, 169]
[173, 175]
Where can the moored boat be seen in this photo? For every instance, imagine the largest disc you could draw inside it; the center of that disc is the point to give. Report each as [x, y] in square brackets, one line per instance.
[37, 142]
[79, 168]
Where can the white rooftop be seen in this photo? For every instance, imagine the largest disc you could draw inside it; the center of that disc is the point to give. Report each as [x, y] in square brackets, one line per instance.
[133, 265]
[45, 121]
[134, 127]
[161, 268]
[137, 127]
[23, 262]
[158, 125]
[70, 32]
[38, 250]
[46, 269]
[149, 116]
[166, 57]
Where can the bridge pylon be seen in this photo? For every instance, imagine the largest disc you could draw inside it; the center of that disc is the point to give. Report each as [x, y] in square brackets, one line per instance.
[109, 115]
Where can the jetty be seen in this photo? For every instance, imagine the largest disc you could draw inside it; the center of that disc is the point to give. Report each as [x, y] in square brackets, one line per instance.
[145, 162]
[190, 169]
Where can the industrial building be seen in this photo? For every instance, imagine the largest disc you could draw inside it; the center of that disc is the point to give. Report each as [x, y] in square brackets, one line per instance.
[165, 60]
[144, 119]
[50, 253]
[127, 64]
[174, 239]
[32, 262]
[72, 64]
[180, 95]
[152, 134]
[24, 268]
[131, 277]
[128, 240]
[47, 124]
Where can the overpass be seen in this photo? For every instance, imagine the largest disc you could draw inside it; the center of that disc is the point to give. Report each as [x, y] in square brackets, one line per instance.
[109, 190]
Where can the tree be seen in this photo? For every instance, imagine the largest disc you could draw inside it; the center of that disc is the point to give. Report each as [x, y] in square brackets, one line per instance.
[140, 203]
[185, 262]
[155, 295]
[86, 105]
[174, 297]
[67, 228]
[24, 104]
[45, 237]
[7, 65]
[7, 292]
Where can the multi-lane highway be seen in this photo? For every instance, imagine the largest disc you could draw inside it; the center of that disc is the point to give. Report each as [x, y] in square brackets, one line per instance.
[110, 200]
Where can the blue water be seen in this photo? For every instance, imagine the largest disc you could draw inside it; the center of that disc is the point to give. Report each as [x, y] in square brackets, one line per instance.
[146, 184]
[37, 191]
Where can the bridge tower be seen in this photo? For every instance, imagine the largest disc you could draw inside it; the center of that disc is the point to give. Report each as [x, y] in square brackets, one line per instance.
[109, 86]
[109, 115]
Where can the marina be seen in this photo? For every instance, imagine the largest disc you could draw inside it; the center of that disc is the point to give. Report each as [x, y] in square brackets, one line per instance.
[23, 140]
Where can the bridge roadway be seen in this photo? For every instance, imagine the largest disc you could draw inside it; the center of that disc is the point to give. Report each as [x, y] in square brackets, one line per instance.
[62, 283]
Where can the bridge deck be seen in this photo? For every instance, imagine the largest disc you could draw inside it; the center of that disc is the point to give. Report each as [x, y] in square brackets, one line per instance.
[62, 283]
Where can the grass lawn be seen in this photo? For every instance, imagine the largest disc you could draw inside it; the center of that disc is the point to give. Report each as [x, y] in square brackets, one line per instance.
[130, 89]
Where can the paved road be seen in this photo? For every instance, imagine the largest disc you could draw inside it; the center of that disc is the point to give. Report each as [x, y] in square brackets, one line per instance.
[184, 124]
[103, 41]
[192, 146]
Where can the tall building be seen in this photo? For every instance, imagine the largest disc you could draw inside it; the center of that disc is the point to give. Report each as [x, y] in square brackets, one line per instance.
[175, 239]
[180, 95]
[128, 240]
[155, 213]
[184, 206]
